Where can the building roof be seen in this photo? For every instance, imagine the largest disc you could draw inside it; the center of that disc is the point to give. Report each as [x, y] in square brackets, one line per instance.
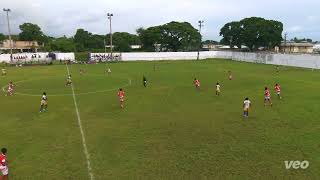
[19, 44]
[303, 44]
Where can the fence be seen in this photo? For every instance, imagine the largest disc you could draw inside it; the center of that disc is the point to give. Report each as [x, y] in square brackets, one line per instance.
[296, 60]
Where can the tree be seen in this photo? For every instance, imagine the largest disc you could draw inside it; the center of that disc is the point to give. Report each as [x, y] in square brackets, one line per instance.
[173, 36]
[297, 40]
[232, 34]
[176, 36]
[123, 41]
[31, 32]
[81, 39]
[63, 44]
[150, 37]
[253, 32]
[2, 37]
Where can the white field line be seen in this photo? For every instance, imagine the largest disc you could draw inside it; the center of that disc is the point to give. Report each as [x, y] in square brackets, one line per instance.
[57, 95]
[85, 149]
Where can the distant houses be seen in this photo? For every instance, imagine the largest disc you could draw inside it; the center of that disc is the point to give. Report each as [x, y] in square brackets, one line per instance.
[21, 46]
[293, 47]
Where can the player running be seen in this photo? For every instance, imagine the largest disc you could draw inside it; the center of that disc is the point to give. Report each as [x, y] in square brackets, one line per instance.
[68, 81]
[121, 97]
[267, 97]
[230, 75]
[44, 103]
[277, 69]
[4, 164]
[218, 90]
[246, 107]
[81, 72]
[145, 81]
[277, 88]
[108, 71]
[4, 72]
[10, 90]
[196, 83]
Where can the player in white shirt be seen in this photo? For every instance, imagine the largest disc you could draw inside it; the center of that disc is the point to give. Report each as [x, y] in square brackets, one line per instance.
[68, 81]
[44, 103]
[246, 107]
[4, 72]
[108, 71]
[218, 90]
[10, 90]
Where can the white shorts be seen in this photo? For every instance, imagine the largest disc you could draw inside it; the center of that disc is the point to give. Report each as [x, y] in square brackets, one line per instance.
[4, 170]
[278, 93]
[267, 98]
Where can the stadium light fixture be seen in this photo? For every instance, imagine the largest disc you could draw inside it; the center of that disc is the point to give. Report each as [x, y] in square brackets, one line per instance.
[200, 27]
[9, 31]
[110, 15]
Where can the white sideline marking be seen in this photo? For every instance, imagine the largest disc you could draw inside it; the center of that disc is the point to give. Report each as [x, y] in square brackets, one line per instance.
[85, 149]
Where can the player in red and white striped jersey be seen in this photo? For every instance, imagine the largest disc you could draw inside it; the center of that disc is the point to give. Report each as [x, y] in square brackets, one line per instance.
[196, 82]
[121, 95]
[267, 97]
[277, 88]
[3, 164]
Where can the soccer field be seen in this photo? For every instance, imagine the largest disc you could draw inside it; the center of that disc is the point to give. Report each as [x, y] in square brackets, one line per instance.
[168, 130]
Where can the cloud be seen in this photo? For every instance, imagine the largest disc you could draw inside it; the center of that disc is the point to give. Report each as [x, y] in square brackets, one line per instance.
[61, 17]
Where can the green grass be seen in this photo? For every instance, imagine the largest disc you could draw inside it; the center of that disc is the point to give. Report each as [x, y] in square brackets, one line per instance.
[166, 131]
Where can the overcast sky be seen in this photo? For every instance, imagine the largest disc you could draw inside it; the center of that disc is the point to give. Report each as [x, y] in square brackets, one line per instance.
[63, 17]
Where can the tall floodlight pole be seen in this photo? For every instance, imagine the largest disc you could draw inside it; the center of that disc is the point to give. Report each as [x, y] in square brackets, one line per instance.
[231, 38]
[285, 42]
[200, 27]
[110, 15]
[9, 31]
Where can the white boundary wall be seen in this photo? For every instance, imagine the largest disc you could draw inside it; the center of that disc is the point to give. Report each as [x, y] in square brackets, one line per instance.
[27, 57]
[24, 57]
[65, 56]
[296, 60]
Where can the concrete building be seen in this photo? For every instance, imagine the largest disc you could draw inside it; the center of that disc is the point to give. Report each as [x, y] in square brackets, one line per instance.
[210, 47]
[316, 48]
[22, 46]
[292, 47]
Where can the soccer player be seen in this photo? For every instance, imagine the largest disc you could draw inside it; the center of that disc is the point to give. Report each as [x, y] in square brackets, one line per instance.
[68, 81]
[4, 164]
[10, 90]
[196, 82]
[44, 103]
[277, 88]
[4, 72]
[145, 82]
[121, 97]
[108, 71]
[81, 72]
[230, 75]
[218, 90]
[267, 97]
[277, 69]
[246, 107]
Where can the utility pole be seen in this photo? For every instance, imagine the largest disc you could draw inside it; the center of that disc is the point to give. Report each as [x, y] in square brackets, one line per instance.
[9, 31]
[230, 38]
[285, 42]
[110, 15]
[200, 27]
[104, 43]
